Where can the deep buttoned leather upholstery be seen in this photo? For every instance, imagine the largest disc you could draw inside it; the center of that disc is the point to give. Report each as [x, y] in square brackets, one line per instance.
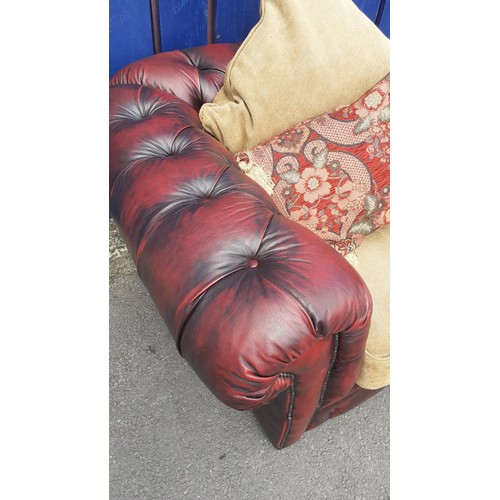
[269, 316]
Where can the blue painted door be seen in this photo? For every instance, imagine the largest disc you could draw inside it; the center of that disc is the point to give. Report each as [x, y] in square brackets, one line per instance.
[234, 19]
[183, 23]
[130, 35]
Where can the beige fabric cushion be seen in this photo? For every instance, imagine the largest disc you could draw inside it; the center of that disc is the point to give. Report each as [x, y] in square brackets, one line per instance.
[302, 58]
[373, 266]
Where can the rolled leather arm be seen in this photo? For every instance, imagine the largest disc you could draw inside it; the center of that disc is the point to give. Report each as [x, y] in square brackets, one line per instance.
[245, 292]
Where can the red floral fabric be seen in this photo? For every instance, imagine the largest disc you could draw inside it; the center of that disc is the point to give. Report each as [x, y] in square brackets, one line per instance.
[331, 173]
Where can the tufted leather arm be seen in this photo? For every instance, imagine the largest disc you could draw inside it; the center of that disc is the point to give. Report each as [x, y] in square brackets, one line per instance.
[262, 309]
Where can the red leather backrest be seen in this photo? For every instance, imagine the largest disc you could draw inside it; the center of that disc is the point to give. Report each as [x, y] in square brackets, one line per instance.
[193, 75]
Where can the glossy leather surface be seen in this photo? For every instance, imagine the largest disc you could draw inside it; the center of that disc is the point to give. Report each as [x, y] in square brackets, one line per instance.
[269, 316]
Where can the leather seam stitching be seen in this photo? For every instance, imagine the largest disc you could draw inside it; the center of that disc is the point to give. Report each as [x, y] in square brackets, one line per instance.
[327, 378]
[291, 405]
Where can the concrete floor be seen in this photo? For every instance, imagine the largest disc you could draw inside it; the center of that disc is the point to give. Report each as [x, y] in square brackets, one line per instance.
[170, 438]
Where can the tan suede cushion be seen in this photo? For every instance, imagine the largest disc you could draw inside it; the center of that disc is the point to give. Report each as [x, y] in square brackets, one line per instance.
[373, 266]
[302, 58]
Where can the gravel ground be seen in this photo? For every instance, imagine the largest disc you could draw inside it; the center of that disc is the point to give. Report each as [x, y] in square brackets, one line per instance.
[120, 263]
[170, 438]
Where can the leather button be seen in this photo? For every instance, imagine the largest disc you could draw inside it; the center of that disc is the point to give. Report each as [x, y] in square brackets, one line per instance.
[253, 263]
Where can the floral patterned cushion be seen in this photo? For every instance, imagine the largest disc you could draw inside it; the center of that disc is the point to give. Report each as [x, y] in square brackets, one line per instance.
[331, 173]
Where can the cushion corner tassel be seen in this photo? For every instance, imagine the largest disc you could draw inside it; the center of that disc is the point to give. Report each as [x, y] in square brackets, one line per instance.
[258, 174]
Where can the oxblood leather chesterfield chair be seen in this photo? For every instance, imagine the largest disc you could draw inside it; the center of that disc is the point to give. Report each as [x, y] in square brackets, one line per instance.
[269, 316]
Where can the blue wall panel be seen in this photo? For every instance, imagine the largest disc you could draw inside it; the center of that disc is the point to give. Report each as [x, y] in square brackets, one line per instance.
[369, 7]
[234, 19]
[183, 23]
[130, 35]
[385, 19]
